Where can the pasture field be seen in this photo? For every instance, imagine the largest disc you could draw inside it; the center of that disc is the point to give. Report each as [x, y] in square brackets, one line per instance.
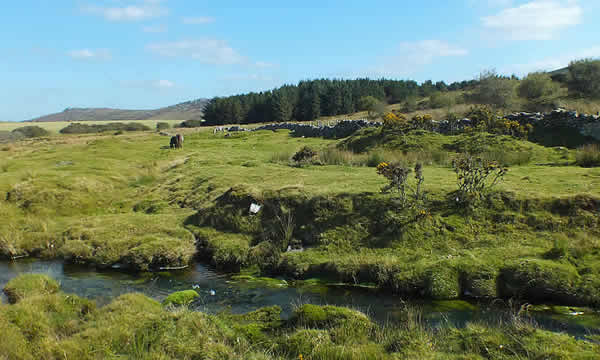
[56, 126]
[128, 200]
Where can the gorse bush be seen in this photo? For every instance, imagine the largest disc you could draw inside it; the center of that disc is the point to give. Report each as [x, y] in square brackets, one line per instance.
[393, 121]
[588, 155]
[191, 124]
[304, 155]
[78, 128]
[162, 126]
[475, 175]
[31, 131]
[396, 174]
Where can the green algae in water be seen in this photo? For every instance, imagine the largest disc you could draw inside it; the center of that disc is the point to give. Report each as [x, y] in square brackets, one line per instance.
[252, 281]
[444, 306]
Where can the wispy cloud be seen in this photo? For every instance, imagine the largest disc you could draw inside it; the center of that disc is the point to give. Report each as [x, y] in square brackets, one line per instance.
[147, 9]
[410, 56]
[535, 20]
[155, 29]
[164, 84]
[87, 54]
[198, 20]
[208, 51]
[424, 52]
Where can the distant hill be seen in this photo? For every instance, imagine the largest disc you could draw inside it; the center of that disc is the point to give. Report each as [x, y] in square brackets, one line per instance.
[184, 111]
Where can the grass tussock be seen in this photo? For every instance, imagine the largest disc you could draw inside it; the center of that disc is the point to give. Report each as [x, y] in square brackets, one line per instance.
[50, 325]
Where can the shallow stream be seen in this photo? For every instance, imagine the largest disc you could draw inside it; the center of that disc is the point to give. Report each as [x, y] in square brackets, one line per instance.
[222, 292]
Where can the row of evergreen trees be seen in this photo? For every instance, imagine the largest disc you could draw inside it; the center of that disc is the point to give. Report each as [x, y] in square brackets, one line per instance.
[311, 99]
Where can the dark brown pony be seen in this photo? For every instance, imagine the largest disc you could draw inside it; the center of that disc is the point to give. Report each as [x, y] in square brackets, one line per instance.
[176, 142]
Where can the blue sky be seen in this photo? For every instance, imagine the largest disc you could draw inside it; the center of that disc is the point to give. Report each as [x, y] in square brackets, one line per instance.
[143, 54]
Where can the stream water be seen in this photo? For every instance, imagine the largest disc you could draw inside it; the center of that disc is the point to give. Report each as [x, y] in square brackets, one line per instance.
[218, 292]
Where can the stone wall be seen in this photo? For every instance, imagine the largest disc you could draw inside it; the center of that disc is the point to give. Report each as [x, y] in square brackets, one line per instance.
[339, 130]
[586, 125]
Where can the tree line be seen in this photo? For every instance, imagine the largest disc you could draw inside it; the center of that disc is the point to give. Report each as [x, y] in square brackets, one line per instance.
[309, 100]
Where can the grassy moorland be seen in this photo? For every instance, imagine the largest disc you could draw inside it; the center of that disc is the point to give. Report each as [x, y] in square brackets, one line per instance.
[129, 200]
[44, 323]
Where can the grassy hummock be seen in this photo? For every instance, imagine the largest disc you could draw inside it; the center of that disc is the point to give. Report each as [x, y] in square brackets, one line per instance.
[28, 285]
[179, 298]
[50, 325]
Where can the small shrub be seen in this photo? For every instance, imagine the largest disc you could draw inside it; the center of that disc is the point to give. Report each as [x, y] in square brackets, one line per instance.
[305, 155]
[191, 124]
[397, 174]
[475, 176]
[162, 126]
[539, 89]
[584, 78]
[588, 155]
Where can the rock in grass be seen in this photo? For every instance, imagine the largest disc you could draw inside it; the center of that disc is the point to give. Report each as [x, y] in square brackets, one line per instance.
[181, 298]
[27, 285]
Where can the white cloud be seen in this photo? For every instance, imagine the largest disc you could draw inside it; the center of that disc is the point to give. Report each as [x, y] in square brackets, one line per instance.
[198, 20]
[155, 29]
[208, 51]
[425, 51]
[412, 55]
[148, 9]
[87, 54]
[535, 20]
[164, 84]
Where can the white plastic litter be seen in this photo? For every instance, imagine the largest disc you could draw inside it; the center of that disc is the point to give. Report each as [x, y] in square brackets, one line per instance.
[254, 208]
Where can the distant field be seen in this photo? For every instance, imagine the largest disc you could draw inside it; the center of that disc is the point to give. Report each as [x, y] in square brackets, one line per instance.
[55, 127]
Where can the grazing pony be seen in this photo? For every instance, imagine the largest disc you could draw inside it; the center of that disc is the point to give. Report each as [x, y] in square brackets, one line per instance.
[176, 142]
